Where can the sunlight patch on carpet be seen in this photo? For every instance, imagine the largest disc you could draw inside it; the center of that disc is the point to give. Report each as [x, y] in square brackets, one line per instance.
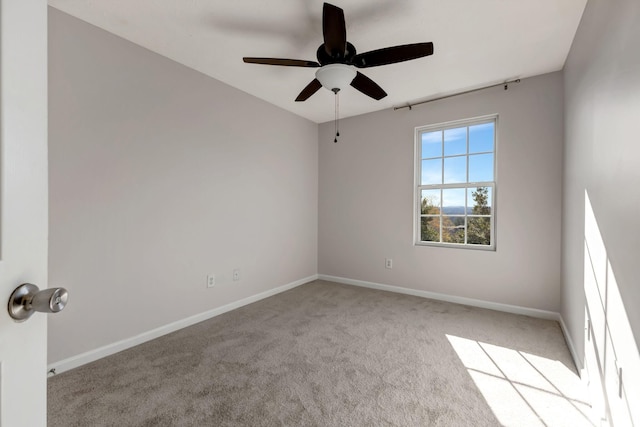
[523, 389]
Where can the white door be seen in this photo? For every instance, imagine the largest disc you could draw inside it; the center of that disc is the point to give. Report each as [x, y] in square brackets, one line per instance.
[23, 207]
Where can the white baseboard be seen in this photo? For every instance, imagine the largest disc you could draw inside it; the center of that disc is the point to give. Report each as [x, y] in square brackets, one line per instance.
[532, 312]
[92, 355]
[107, 350]
[572, 349]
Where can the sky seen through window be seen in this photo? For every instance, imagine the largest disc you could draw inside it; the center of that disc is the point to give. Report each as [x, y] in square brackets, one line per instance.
[457, 155]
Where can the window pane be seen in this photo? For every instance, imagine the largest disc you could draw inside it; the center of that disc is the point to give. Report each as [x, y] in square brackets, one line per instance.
[456, 183]
[479, 200]
[431, 172]
[453, 229]
[432, 144]
[430, 202]
[430, 229]
[481, 167]
[479, 231]
[455, 141]
[455, 169]
[453, 201]
[481, 138]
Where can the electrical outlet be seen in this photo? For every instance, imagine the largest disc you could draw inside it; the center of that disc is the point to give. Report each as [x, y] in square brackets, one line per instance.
[211, 280]
[388, 263]
[236, 274]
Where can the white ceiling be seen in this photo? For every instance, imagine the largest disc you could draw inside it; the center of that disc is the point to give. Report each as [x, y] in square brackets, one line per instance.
[476, 42]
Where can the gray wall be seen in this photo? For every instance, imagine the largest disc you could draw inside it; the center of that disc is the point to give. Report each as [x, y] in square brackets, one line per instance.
[158, 176]
[366, 199]
[602, 152]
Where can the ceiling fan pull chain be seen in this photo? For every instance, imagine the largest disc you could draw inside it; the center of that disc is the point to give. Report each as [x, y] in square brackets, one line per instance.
[338, 113]
[336, 121]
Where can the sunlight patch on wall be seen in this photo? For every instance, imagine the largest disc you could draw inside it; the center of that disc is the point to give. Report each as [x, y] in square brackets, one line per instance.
[612, 359]
[523, 389]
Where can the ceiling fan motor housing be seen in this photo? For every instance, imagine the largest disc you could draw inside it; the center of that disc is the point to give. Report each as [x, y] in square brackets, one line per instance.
[337, 57]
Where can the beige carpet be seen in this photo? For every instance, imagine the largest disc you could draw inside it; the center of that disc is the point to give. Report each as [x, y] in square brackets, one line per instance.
[325, 354]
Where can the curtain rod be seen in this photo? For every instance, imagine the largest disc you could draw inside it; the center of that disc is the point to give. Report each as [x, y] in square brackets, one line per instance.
[505, 84]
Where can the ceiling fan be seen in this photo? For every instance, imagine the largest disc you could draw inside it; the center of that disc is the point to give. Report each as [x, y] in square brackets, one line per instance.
[338, 60]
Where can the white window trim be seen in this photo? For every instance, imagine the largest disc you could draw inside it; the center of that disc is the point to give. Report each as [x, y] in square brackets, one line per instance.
[417, 184]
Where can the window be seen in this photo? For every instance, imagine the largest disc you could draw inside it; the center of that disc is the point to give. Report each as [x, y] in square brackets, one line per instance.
[455, 184]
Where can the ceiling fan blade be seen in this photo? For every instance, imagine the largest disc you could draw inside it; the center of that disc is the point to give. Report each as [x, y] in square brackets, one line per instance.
[280, 61]
[390, 55]
[311, 88]
[334, 30]
[367, 86]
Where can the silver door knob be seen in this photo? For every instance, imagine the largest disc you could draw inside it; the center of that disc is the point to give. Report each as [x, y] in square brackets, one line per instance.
[27, 299]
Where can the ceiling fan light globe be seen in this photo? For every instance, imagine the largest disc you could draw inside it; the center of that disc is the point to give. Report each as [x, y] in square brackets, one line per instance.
[336, 77]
